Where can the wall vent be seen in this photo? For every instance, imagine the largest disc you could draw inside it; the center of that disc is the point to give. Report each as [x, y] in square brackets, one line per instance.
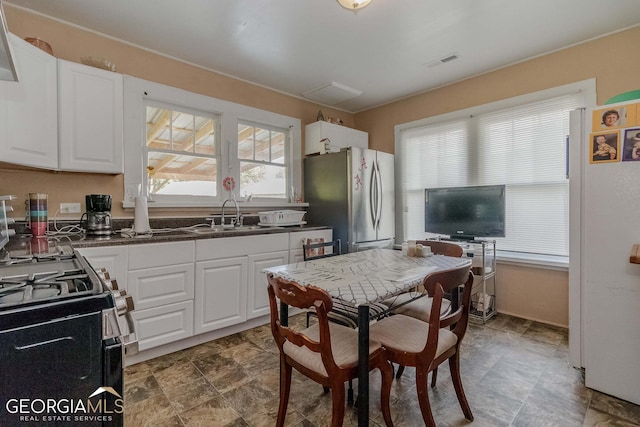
[443, 60]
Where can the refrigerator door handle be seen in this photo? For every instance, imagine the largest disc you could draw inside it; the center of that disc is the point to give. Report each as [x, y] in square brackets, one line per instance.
[380, 192]
[374, 199]
[375, 196]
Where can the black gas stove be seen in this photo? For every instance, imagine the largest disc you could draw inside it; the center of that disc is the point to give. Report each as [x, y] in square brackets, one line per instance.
[64, 327]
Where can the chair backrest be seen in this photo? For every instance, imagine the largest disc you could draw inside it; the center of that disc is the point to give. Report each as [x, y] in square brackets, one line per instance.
[442, 248]
[436, 285]
[318, 250]
[303, 297]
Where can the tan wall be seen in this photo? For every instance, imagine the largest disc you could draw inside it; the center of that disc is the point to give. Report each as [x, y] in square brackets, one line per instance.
[72, 44]
[611, 60]
[522, 291]
[533, 293]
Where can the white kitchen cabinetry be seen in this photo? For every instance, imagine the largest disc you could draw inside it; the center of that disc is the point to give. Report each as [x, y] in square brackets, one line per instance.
[90, 118]
[230, 287]
[297, 239]
[161, 281]
[115, 259]
[257, 298]
[221, 289]
[339, 137]
[29, 109]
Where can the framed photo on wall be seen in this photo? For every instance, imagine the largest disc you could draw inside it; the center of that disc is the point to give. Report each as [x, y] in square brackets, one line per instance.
[614, 118]
[604, 147]
[631, 150]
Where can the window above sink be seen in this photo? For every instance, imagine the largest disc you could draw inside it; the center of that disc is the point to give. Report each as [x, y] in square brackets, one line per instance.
[180, 146]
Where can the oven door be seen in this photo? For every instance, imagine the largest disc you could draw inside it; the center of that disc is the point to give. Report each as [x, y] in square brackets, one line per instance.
[113, 367]
[53, 373]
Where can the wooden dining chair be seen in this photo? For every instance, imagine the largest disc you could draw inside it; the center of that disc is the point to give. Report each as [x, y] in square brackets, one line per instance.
[317, 250]
[409, 303]
[412, 342]
[325, 352]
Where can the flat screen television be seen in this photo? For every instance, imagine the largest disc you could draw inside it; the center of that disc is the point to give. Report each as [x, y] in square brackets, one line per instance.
[465, 213]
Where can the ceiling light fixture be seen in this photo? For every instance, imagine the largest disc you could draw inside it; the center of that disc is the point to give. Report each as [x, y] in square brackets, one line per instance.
[354, 5]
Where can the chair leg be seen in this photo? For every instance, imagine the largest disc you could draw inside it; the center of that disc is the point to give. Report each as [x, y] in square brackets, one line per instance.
[400, 371]
[423, 397]
[434, 375]
[338, 403]
[308, 317]
[285, 388]
[454, 367]
[386, 369]
[350, 393]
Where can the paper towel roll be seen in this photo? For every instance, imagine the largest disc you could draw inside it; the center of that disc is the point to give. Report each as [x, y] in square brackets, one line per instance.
[141, 216]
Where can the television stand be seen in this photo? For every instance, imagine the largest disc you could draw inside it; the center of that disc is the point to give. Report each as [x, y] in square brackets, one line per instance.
[483, 267]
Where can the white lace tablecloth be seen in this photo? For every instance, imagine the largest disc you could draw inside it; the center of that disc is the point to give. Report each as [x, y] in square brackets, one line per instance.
[366, 277]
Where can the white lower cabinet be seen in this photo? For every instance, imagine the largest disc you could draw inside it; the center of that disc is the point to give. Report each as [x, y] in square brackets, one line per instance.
[258, 299]
[164, 324]
[221, 288]
[188, 288]
[230, 287]
[161, 281]
[115, 259]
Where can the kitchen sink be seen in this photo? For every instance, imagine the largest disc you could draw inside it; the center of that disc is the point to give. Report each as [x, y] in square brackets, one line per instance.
[220, 230]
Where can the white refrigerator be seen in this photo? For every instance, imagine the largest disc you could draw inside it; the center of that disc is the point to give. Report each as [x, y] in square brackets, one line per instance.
[604, 286]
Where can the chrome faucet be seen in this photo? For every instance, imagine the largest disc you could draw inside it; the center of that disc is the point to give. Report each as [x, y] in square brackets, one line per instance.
[238, 218]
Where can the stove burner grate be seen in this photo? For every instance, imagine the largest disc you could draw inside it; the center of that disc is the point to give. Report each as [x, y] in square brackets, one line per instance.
[27, 287]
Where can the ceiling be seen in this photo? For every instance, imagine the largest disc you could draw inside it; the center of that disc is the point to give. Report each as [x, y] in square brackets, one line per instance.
[387, 51]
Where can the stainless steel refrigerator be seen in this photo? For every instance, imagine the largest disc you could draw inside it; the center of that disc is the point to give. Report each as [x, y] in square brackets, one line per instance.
[352, 190]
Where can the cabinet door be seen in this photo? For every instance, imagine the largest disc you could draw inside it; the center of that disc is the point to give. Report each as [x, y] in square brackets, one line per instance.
[163, 325]
[221, 293]
[112, 258]
[90, 118]
[159, 286]
[317, 131]
[258, 299]
[357, 138]
[29, 109]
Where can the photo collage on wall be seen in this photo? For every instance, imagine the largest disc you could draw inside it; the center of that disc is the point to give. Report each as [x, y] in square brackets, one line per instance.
[615, 134]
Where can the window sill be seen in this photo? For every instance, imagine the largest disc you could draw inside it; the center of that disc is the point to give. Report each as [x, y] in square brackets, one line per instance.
[548, 262]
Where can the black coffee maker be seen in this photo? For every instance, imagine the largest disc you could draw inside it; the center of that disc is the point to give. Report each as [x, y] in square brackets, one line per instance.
[98, 222]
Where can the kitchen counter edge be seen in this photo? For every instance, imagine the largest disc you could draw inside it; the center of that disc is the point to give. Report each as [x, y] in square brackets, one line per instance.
[174, 236]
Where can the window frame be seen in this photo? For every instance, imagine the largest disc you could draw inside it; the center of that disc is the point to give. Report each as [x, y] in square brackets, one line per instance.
[172, 198]
[285, 164]
[587, 91]
[139, 92]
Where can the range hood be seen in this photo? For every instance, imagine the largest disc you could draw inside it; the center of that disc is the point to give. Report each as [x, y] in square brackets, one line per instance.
[7, 66]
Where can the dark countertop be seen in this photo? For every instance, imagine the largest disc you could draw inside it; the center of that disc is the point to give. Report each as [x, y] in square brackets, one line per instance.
[25, 244]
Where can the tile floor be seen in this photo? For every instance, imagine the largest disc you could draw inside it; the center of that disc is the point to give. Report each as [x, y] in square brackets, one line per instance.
[515, 373]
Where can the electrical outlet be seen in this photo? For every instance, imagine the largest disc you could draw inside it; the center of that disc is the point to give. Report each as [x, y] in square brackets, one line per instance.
[69, 208]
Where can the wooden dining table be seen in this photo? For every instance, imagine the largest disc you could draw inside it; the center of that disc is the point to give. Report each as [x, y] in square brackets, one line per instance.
[359, 279]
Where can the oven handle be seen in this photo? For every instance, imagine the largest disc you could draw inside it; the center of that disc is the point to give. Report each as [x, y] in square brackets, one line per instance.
[111, 329]
[130, 341]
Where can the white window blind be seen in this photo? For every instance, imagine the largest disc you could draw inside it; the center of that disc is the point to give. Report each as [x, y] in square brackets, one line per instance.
[522, 147]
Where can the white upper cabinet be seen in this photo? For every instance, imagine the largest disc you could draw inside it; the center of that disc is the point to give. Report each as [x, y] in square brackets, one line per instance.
[338, 136]
[28, 109]
[90, 118]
